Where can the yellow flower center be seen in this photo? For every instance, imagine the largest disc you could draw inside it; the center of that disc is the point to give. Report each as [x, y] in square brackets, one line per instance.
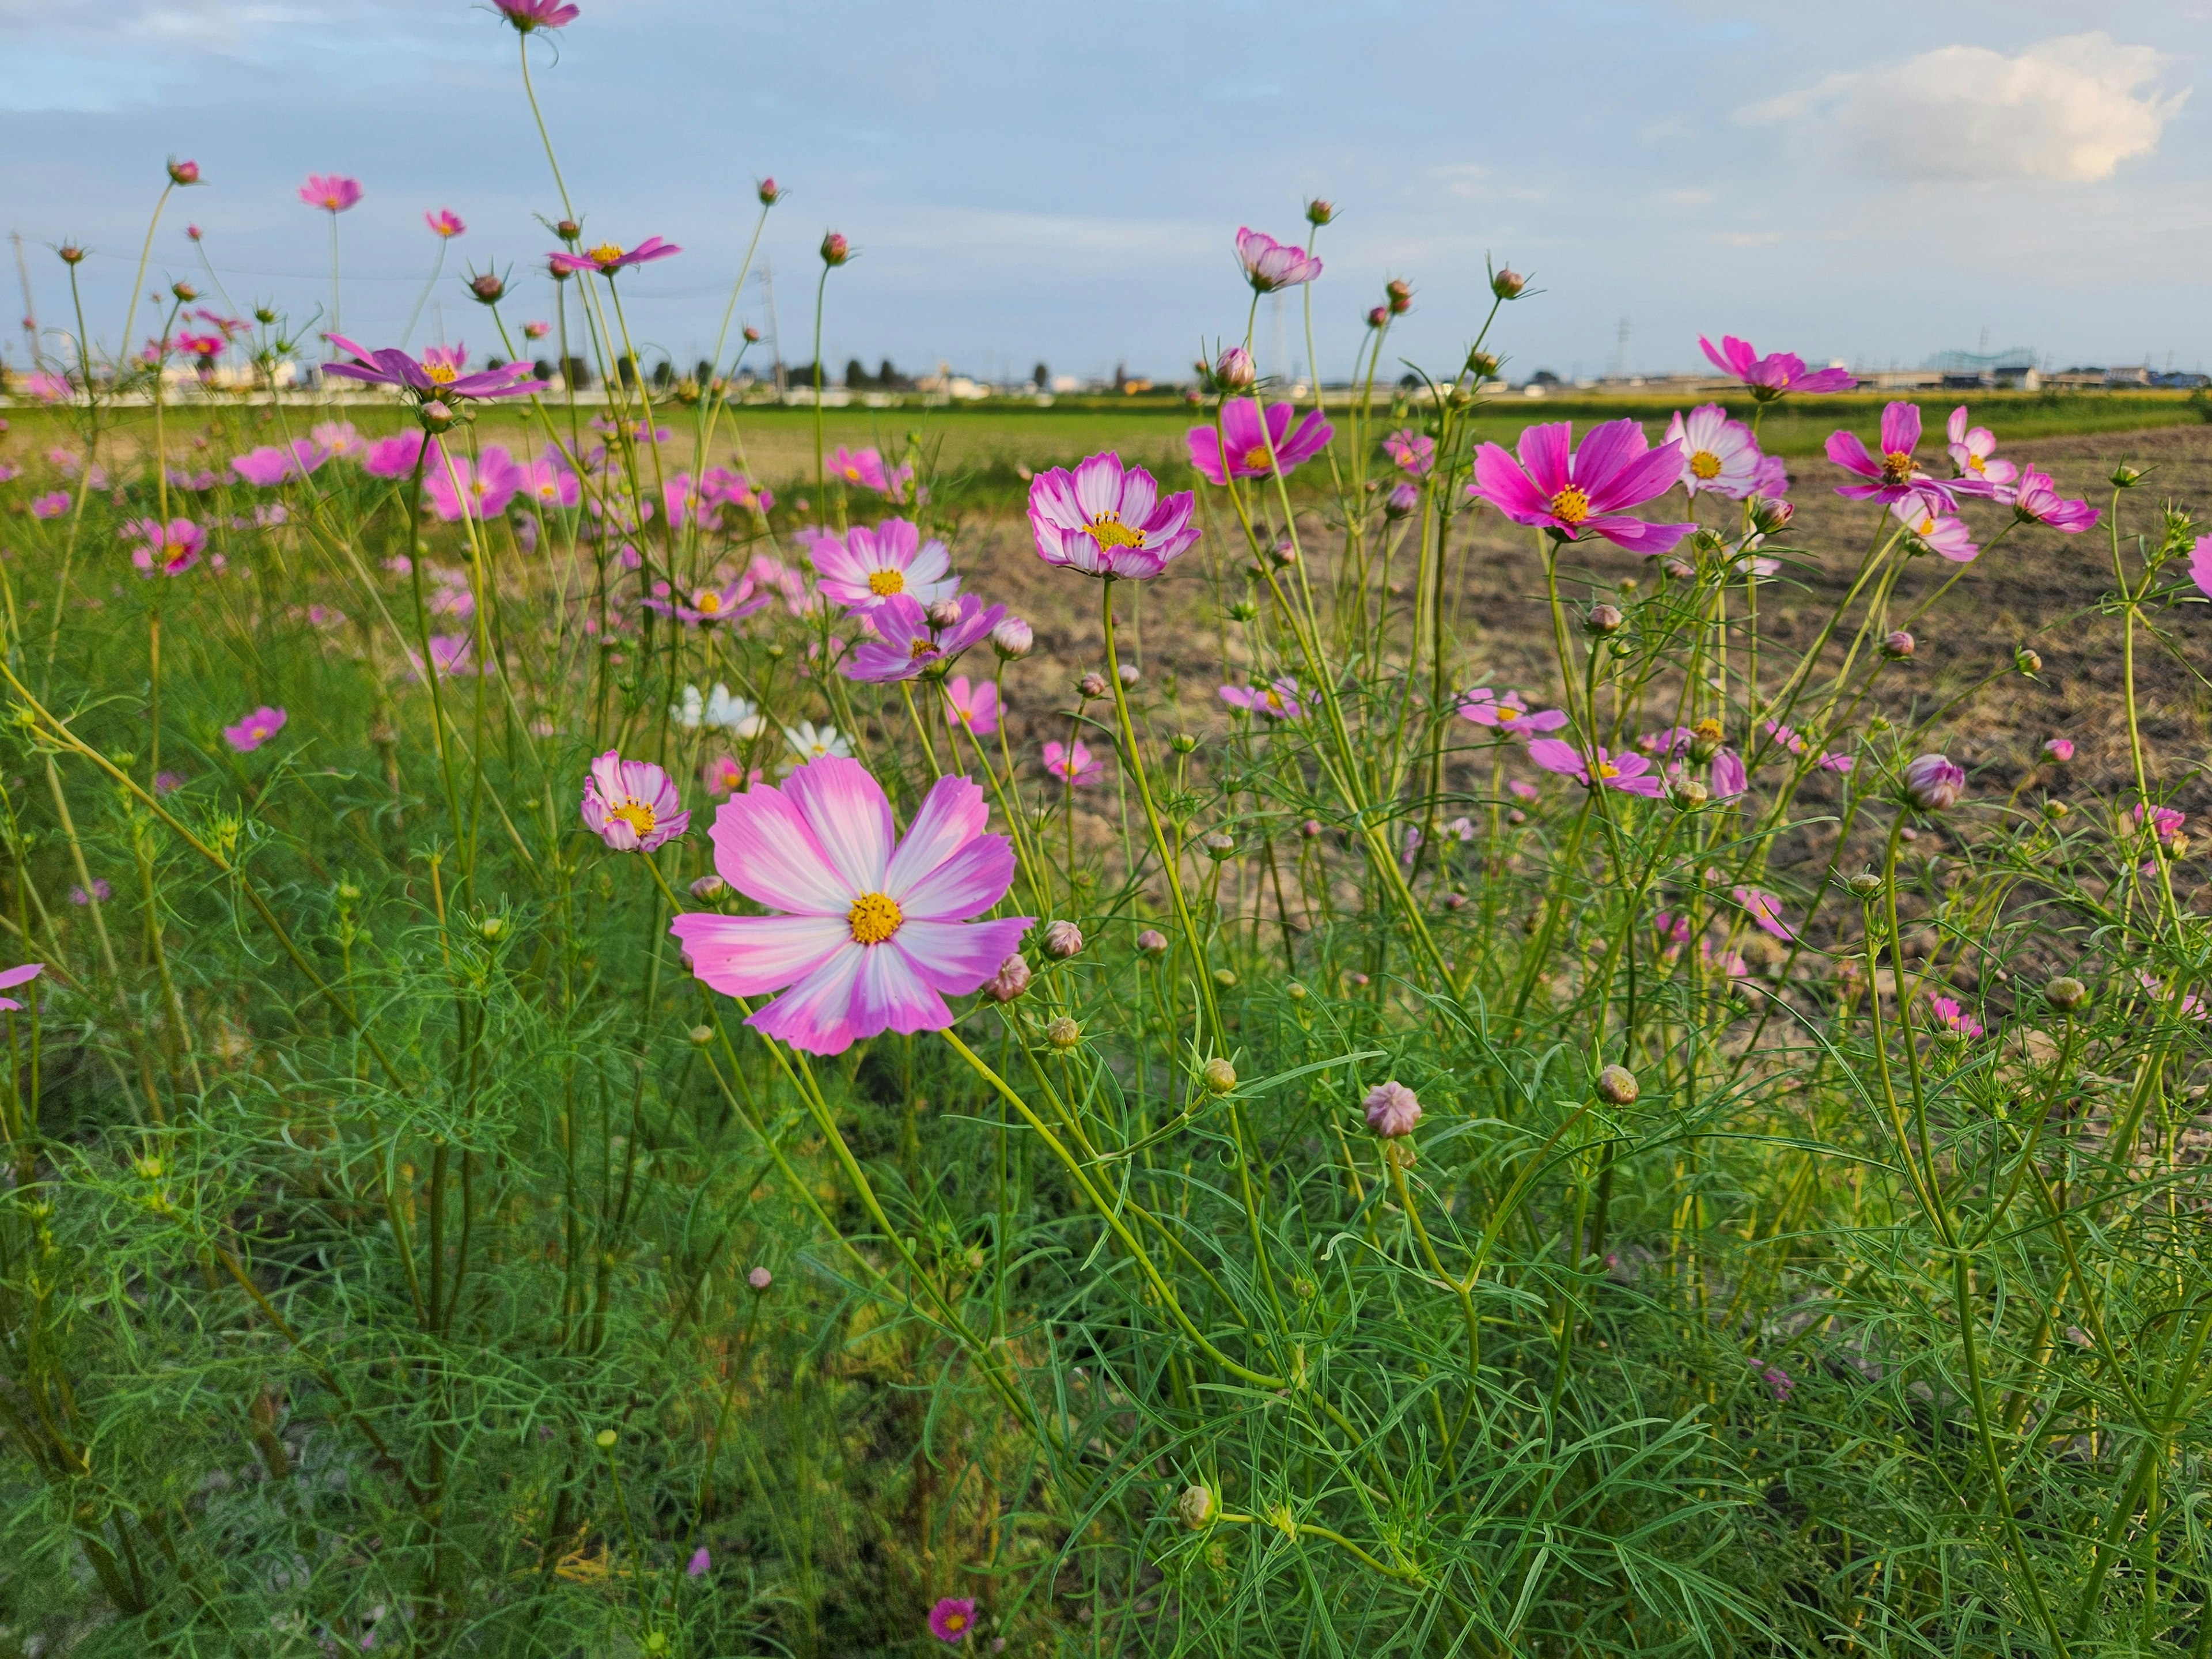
[1974, 463]
[1506, 712]
[884, 583]
[921, 648]
[1925, 524]
[605, 253]
[853, 473]
[1705, 465]
[1605, 769]
[1709, 730]
[1108, 530]
[874, 918]
[479, 489]
[956, 1622]
[634, 813]
[1571, 506]
[1274, 699]
[1258, 458]
[441, 373]
[1897, 467]
[707, 601]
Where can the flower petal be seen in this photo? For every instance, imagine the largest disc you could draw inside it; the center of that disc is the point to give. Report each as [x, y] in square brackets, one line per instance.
[956, 957]
[751, 955]
[814, 1014]
[763, 848]
[1545, 450]
[954, 814]
[888, 995]
[849, 816]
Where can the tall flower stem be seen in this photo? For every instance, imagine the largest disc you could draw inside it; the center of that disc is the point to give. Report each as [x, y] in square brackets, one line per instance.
[821, 472]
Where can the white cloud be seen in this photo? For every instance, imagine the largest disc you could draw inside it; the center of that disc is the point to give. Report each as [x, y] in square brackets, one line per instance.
[2071, 108]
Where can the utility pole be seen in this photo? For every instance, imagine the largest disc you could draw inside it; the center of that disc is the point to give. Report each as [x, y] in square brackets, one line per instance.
[30, 307]
[1620, 352]
[775, 340]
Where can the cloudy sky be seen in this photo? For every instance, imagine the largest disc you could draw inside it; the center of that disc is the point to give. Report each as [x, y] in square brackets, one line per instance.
[1061, 179]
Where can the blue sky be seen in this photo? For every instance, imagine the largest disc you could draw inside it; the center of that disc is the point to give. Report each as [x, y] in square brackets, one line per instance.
[1049, 180]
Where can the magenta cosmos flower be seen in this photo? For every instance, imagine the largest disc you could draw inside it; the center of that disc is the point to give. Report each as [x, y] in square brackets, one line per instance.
[1509, 713]
[268, 466]
[609, 258]
[2200, 555]
[863, 568]
[478, 489]
[437, 374]
[1073, 765]
[1719, 454]
[57, 503]
[864, 467]
[1973, 453]
[2037, 501]
[1628, 772]
[333, 192]
[1105, 520]
[1279, 701]
[1411, 451]
[974, 709]
[1763, 907]
[1257, 448]
[1570, 493]
[1270, 265]
[1899, 473]
[909, 642]
[632, 805]
[445, 222]
[1952, 1020]
[171, 549]
[529, 15]
[14, 976]
[256, 729]
[952, 1618]
[874, 932]
[1769, 377]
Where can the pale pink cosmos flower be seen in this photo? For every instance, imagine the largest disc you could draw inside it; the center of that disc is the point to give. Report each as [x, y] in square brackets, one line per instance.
[1508, 713]
[608, 258]
[256, 729]
[700, 1564]
[171, 549]
[1270, 265]
[1941, 533]
[1980, 469]
[1105, 520]
[632, 805]
[874, 932]
[1779, 372]
[444, 223]
[1572, 492]
[1719, 454]
[1413, 452]
[551, 483]
[333, 192]
[1278, 702]
[1934, 782]
[14, 976]
[723, 776]
[47, 388]
[1897, 475]
[974, 709]
[1523, 789]
[1792, 740]
[864, 568]
[911, 641]
[1392, 1109]
[1763, 908]
[1630, 773]
[337, 437]
[1257, 446]
[480, 489]
[1073, 765]
[2037, 501]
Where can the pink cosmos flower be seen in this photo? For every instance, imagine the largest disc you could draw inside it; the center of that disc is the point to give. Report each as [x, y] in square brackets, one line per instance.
[50, 506]
[1629, 773]
[909, 642]
[395, 456]
[952, 1618]
[1973, 454]
[47, 387]
[2200, 557]
[268, 466]
[1278, 702]
[1790, 739]
[1073, 765]
[1897, 475]
[1769, 377]
[632, 805]
[1521, 789]
[445, 222]
[438, 374]
[723, 775]
[338, 437]
[333, 192]
[2059, 749]
[1934, 782]
[609, 258]
[874, 932]
[1719, 454]
[974, 709]
[2038, 501]
[1570, 494]
[1270, 265]
[1104, 519]
[256, 729]
[1763, 907]
[551, 483]
[1940, 533]
[479, 489]
[1780, 1382]
[731, 601]
[99, 890]
[1414, 452]
[529, 15]
[2164, 821]
[170, 548]
[1257, 450]
[1951, 1018]
[451, 654]
[14, 976]
[864, 467]
[701, 1562]
[864, 568]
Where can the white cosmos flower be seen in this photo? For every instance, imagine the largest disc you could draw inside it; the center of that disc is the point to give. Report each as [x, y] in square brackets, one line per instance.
[809, 742]
[690, 709]
[735, 715]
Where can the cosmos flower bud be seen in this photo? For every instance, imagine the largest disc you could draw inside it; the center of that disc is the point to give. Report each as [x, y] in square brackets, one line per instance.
[1012, 638]
[760, 1279]
[71, 253]
[942, 613]
[192, 233]
[1010, 981]
[768, 190]
[1063, 1034]
[1772, 517]
[1092, 684]
[1220, 1076]
[2066, 993]
[1151, 943]
[186, 292]
[1617, 1086]
[710, 888]
[835, 250]
[752, 335]
[265, 315]
[1507, 284]
[1234, 370]
[1219, 846]
[1864, 885]
[1319, 212]
[435, 415]
[568, 230]
[2059, 749]
[700, 1035]
[1378, 317]
[1898, 647]
[1455, 901]
[1392, 1109]
[1933, 783]
[1401, 295]
[1680, 569]
[1226, 978]
[1692, 792]
[1401, 502]
[2028, 661]
[1603, 619]
[1183, 742]
[1062, 939]
[1483, 364]
[487, 288]
[2126, 477]
[2055, 810]
[1195, 1506]
[1128, 673]
[183, 172]
[1311, 828]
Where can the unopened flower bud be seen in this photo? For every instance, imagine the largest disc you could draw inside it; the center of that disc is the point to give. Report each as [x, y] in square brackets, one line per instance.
[1617, 1086]
[1063, 1034]
[1010, 981]
[71, 253]
[1392, 1109]
[1482, 365]
[942, 613]
[835, 250]
[1234, 371]
[2028, 661]
[1226, 978]
[1219, 846]
[1183, 742]
[1603, 619]
[1455, 901]
[1092, 684]
[1402, 502]
[1220, 1076]
[1933, 783]
[1128, 673]
[1012, 638]
[1507, 284]
[488, 288]
[700, 1035]
[265, 315]
[2126, 477]
[493, 927]
[1319, 212]
[1771, 517]
[1151, 943]
[1680, 569]
[1865, 885]
[710, 888]
[769, 192]
[2055, 810]
[1898, 647]
[1692, 793]
[752, 335]
[186, 292]
[604, 1439]
[2066, 993]
[760, 1279]
[1378, 317]
[568, 230]
[1401, 295]
[1195, 1506]
[1062, 939]
[183, 172]
[1311, 828]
